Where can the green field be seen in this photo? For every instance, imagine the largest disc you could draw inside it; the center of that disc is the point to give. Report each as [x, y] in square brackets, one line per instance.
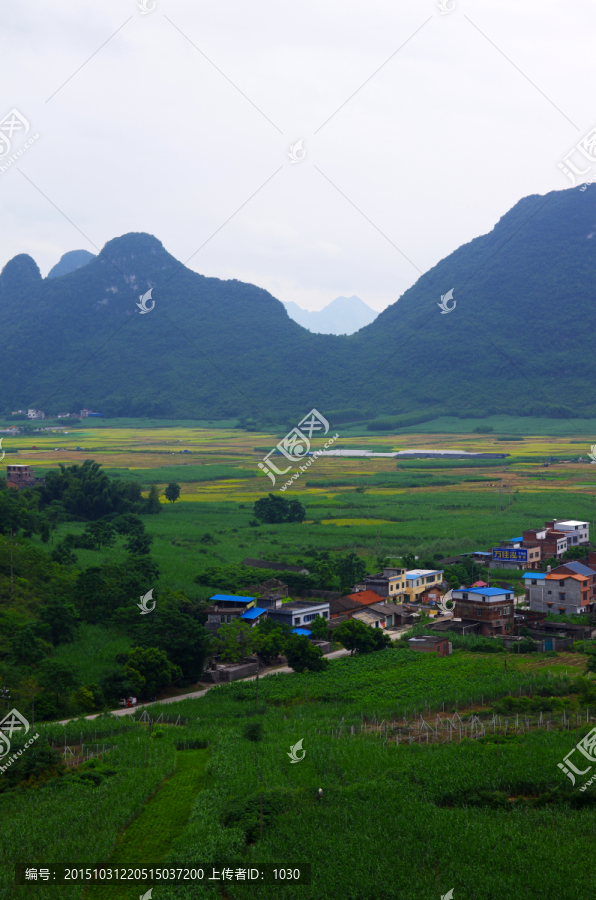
[425, 805]
[407, 821]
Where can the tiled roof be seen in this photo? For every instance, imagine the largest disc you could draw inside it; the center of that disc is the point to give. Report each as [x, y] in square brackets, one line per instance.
[365, 598]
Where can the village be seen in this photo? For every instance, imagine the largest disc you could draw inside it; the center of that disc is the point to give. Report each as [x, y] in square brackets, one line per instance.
[552, 587]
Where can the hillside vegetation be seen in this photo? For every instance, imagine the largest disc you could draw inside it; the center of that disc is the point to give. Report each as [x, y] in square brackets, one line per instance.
[213, 348]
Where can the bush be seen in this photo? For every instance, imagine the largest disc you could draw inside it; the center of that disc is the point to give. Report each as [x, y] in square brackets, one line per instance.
[253, 731]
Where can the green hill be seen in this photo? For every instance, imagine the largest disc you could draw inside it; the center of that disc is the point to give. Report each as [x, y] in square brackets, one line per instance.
[213, 348]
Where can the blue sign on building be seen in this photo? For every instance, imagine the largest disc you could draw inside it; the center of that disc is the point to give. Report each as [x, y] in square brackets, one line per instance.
[501, 554]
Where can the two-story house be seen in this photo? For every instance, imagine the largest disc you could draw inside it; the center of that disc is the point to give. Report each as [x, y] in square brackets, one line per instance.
[419, 583]
[389, 583]
[558, 592]
[492, 608]
[577, 532]
[226, 608]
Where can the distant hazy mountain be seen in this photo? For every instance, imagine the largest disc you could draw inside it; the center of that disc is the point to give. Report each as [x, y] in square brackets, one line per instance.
[70, 262]
[344, 315]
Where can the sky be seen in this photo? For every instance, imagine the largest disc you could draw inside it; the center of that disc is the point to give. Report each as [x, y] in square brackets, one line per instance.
[420, 127]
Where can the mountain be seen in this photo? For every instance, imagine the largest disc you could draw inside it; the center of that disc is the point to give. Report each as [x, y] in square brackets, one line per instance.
[344, 315]
[69, 262]
[518, 340]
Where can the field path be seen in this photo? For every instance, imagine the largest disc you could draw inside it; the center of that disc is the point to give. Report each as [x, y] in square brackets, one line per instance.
[126, 712]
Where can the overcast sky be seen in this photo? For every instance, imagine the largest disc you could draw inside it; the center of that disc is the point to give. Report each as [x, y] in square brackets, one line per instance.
[420, 128]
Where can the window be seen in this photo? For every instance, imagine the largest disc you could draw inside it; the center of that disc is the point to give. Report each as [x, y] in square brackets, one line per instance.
[298, 620]
[534, 581]
[464, 596]
[561, 598]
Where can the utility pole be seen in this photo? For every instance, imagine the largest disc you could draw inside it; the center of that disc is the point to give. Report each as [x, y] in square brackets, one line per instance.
[11, 572]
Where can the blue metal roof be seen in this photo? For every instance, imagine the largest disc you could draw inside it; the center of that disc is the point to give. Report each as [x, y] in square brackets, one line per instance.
[487, 592]
[230, 597]
[533, 575]
[578, 568]
[253, 613]
[516, 539]
[304, 631]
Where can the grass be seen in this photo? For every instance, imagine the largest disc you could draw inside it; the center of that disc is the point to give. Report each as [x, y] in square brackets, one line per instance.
[93, 651]
[161, 821]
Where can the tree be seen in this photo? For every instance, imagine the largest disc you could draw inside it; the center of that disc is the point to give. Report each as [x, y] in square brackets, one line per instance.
[61, 619]
[152, 504]
[87, 492]
[274, 510]
[351, 569]
[139, 543]
[57, 676]
[303, 656]
[235, 640]
[100, 534]
[319, 627]
[269, 644]
[325, 572]
[172, 492]
[355, 635]
[150, 670]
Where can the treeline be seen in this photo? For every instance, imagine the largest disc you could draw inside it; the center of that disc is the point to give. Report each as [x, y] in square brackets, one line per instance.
[45, 597]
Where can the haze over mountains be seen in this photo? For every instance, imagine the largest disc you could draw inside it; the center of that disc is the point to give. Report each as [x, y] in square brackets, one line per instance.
[344, 315]
[518, 341]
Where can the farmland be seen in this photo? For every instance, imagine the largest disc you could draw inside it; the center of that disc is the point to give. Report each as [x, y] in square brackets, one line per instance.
[423, 804]
[406, 820]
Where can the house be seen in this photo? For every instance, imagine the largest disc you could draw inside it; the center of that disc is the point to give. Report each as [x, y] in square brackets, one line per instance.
[225, 608]
[343, 606]
[275, 566]
[403, 615]
[84, 413]
[299, 612]
[431, 596]
[581, 567]
[364, 598]
[431, 644]
[577, 532]
[371, 617]
[390, 582]
[418, 581]
[491, 608]
[551, 541]
[271, 593]
[22, 477]
[517, 553]
[393, 613]
[35, 414]
[559, 592]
